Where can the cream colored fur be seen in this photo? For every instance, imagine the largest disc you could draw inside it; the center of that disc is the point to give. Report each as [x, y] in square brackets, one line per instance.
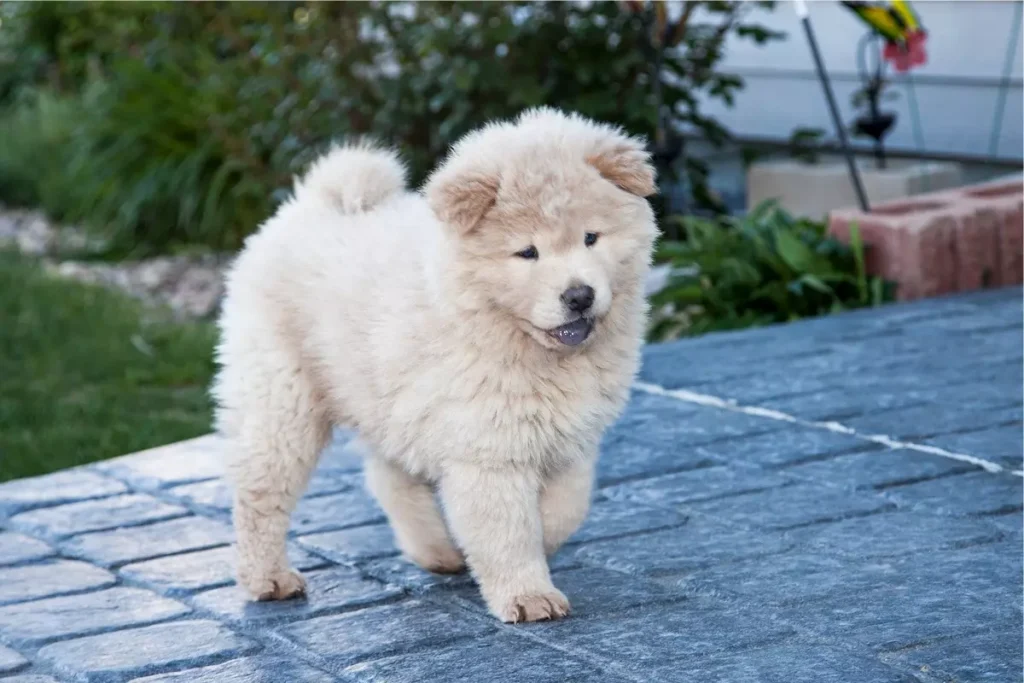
[408, 317]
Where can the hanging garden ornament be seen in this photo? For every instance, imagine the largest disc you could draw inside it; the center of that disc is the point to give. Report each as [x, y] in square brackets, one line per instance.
[897, 23]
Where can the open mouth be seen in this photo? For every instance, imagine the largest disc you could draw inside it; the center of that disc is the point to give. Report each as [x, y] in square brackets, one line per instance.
[573, 333]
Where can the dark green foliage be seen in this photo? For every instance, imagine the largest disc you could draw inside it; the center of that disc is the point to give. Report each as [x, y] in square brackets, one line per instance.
[767, 267]
[34, 138]
[201, 112]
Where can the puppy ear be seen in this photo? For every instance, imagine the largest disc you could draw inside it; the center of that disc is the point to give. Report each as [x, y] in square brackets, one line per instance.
[621, 159]
[461, 197]
[624, 162]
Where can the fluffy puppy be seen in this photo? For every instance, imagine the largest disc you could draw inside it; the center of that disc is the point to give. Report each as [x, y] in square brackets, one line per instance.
[479, 336]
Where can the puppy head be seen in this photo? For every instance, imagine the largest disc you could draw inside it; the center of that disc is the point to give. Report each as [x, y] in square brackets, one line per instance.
[550, 222]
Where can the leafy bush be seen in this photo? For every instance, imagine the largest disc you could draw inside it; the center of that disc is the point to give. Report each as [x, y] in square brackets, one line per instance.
[34, 138]
[766, 267]
[202, 112]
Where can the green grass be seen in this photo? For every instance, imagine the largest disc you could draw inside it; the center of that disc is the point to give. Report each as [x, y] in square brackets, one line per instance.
[87, 374]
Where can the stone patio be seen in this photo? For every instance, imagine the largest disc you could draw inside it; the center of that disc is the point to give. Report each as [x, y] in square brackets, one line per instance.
[832, 500]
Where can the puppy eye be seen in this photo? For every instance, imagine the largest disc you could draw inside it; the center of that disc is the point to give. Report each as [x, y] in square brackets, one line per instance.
[529, 253]
[590, 239]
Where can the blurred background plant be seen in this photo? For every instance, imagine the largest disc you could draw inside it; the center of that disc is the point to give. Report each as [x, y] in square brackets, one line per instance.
[766, 267]
[182, 123]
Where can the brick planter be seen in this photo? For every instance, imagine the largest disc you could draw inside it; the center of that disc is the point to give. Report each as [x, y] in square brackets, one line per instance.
[951, 241]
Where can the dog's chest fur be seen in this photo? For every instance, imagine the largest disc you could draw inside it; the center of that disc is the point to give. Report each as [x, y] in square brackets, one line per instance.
[473, 408]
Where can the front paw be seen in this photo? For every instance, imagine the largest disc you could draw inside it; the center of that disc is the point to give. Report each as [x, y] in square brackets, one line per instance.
[531, 606]
[280, 585]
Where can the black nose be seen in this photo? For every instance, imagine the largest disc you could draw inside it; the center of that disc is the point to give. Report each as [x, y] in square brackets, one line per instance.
[578, 299]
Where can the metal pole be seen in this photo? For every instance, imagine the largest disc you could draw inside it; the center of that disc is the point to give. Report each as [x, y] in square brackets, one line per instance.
[862, 199]
[1004, 83]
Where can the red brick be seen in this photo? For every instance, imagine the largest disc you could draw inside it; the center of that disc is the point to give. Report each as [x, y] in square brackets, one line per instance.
[1011, 248]
[955, 240]
[978, 229]
[911, 243]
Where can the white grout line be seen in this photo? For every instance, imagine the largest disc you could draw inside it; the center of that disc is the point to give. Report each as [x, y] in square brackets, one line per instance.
[838, 428]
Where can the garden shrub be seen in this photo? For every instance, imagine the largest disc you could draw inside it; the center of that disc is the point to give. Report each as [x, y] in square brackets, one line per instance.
[766, 267]
[34, 138]
[201, 112]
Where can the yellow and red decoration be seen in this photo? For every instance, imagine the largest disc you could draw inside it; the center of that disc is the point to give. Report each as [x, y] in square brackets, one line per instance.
[897, 23]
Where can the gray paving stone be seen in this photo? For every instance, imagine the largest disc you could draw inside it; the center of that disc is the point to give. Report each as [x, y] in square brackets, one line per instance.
[594, 592]
[141, 651]
[95, 515]
[11, 661]
[792, 578]
[982, 574]
[32, 623]
[978, 493]
[336, 511]
[50, 578]
[179, 575]
[841, 403]
[987, 657]
[695, 545]
[496, 658]
[895, 534]
[612, 518]
[624, 458]
[763, 384]
[888, 619]
[380, 631]
[214, 495]
[926, 421]
[326, 481]
[258, 669]
[399, 571]
[352, 545]
[1004, 445]
[878, 469]
[1010, 524]
[15, 548]
[791, 506]
[343, 454]
[694, 426]
[109, 548]
[328, 590]
[54, 489]
[672, 633]
[784, 663]
[679, 364]
[985, 573]
[187, 461]
[788, 445]
[689, 487]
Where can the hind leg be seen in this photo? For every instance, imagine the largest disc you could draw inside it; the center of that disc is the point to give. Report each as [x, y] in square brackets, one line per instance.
[419, 528]
[280, 430]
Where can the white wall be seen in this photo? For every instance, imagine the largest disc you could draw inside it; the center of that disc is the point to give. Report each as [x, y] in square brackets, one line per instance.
[967, 39]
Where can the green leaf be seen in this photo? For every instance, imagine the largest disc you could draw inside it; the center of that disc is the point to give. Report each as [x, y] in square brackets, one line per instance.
[857, 247]
[795, 253]
[815, 283]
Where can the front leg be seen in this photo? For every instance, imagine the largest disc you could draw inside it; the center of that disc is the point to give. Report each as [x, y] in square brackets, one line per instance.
[494, 514]
[565, 501]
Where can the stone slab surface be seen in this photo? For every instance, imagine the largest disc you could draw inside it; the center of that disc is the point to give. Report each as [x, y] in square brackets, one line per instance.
[773, 537]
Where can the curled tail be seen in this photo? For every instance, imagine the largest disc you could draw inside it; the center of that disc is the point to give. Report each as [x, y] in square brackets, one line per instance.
[355, 177]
